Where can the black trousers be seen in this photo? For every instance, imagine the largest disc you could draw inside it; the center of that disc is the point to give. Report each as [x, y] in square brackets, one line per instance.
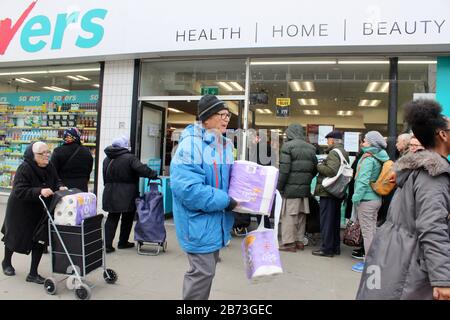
[330, 224]
[125, 227]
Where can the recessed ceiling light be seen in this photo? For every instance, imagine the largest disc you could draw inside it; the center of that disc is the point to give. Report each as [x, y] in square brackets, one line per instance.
[16, 73]
[225, 85]
[307, 102]
[96, 85]
[58, 89]
[174, 110]
[307, 86]
[236, 86]
[25, 80]
[267, 111]
[378, 86]
[345, 113]
[311, 112]
[369, 103]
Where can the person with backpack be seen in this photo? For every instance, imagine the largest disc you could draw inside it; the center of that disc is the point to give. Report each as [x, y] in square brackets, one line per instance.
[298, 164]
[410, 254]
[366, 201]
[72, 161]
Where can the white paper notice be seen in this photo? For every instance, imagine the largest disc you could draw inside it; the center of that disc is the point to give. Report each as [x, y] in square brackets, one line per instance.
[351, 141]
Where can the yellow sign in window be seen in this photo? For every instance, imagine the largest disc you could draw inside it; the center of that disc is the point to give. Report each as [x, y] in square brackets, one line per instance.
[283, 102]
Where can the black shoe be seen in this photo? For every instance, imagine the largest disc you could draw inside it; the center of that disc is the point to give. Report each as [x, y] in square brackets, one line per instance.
[321, 253]
[110, 249]
[36, 279]
[8, 270]
[126, 245]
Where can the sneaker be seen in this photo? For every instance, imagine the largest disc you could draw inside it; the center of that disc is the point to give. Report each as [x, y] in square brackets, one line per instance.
[359, 267]
[358, 254]
[36, 279]
[125, 245]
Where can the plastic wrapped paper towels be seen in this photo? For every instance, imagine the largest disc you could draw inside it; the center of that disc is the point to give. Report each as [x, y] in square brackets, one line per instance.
[72, 209]
[253, 186]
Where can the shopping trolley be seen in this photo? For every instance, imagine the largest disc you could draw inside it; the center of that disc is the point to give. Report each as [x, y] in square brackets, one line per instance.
[76, 251]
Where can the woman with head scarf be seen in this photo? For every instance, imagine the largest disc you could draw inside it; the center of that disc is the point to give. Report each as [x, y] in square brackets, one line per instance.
[72, 161]
[22, 227]
[121, 172]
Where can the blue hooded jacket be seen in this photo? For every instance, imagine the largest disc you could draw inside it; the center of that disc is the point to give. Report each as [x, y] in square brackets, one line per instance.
[199, 178]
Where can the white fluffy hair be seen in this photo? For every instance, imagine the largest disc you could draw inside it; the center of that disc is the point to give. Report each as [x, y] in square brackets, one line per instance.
[37, 146]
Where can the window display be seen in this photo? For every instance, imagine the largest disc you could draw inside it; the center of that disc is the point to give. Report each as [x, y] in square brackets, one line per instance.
[26, 117]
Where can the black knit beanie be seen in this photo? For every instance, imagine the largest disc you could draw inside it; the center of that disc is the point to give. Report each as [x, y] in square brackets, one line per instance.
[208, 106]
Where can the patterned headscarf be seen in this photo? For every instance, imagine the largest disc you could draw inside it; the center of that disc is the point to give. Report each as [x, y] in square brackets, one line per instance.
[71, 135]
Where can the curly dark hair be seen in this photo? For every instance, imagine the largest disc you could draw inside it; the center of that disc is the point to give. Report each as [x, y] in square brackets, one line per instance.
[425, 119]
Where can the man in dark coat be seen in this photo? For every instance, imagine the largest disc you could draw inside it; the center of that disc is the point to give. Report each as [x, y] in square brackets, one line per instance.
[330, 206]
[121, 172]
[25, 213]
[72, 161]
[298, 163]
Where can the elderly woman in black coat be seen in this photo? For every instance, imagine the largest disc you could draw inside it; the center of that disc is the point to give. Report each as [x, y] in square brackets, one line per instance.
[24, 212]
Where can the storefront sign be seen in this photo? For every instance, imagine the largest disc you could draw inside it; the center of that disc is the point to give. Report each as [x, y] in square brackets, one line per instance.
[48, 29]
[38, 98]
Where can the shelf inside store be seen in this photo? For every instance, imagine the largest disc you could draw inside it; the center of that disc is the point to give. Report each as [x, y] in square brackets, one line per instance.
[52, 139]
[14, 154]
[23, 128]
[90, 144]
[53, 128]
[88, 128]
[21, 141]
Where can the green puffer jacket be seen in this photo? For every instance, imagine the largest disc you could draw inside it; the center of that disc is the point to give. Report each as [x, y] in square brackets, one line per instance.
[369, 170]
[298, 163]
[329, 168]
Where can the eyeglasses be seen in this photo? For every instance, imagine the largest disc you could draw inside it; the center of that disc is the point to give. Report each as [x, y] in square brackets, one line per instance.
[225, 115]
[47, 153]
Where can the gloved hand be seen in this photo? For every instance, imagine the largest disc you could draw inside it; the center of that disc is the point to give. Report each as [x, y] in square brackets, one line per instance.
[233, 204]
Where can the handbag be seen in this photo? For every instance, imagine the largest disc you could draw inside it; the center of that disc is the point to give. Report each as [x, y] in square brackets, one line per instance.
[352, 234]
[337, 185]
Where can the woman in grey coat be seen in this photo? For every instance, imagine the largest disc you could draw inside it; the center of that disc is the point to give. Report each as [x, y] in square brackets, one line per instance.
[410, 253]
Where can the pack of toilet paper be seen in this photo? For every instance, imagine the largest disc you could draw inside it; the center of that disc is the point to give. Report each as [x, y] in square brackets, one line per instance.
[253, 186]
[73, 209]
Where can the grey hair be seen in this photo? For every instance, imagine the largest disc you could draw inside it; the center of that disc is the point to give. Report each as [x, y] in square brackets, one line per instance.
[406, 137]
[37, 145]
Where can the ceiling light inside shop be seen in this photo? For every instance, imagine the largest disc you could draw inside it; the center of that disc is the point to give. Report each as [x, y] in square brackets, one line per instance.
[17, 73]
[267, 111]
[363, 62]
[226, 86]
[174, 110]
[307, 86]
[308, 102]
[377, 87]
[369, 103]
[96, 85]
[236, 86]
[25, 80]
[58, 89]
[311, 112]
[267, 63]
[264, 111]
[417, 62]
[78, 78]
[345, 113]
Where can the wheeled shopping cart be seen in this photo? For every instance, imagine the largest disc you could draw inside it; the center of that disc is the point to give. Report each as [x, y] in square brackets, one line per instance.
[76, 251]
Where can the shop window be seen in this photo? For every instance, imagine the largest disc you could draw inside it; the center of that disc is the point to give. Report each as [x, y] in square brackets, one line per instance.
[38, 104]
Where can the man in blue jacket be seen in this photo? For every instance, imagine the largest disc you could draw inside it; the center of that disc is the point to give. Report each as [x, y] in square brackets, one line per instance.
[200, 172]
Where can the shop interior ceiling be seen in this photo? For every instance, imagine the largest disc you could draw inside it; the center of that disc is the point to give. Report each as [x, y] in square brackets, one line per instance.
[336, 88]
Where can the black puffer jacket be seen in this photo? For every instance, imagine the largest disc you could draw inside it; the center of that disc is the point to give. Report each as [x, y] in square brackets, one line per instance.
[121, 172]
[297, 164]
[76, 172]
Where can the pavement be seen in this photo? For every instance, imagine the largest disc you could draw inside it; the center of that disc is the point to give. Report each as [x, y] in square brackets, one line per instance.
[160, 277]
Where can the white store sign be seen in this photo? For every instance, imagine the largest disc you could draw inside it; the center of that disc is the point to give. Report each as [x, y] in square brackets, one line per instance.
[48, 29]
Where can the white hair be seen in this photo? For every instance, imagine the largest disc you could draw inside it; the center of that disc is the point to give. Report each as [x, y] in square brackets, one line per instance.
[38, 146]
[405, 137]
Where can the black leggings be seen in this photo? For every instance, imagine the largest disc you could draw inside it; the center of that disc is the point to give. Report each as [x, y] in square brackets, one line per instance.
[36, 255]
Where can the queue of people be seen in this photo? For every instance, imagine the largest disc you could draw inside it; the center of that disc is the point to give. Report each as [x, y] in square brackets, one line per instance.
[412, 246]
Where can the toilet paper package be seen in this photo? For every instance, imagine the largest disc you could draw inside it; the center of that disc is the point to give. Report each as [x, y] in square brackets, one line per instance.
[72, 209]
[253, 186]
